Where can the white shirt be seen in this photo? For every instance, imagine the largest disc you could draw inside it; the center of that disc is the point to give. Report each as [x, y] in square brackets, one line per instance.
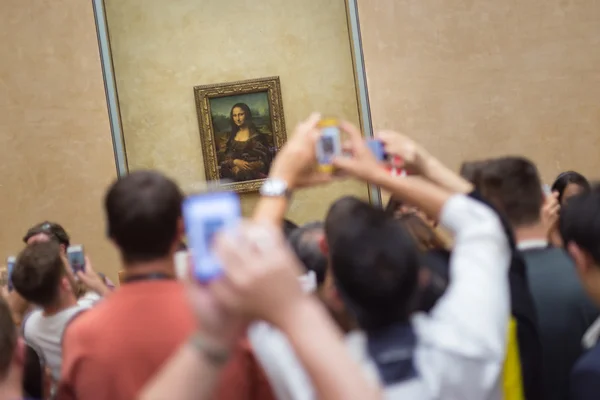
[461, 344]
[45, 334]
[532, 244]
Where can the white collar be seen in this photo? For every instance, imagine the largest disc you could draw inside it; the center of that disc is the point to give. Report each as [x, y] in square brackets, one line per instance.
[531, 244]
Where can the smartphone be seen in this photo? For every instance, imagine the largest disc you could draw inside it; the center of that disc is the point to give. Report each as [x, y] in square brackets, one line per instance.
[329, 144]
[547, 190]
[10, 266]
[204, 216]
[181, 264]
[76, 258]
[376, 147]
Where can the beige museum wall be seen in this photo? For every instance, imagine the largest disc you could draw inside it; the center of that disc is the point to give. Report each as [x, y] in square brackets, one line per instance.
[161, 51]
[55, 142]
[478, 78]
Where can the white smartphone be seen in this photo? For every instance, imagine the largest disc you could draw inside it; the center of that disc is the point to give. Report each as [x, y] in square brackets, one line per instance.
[547, 190]
[204, 216]
[181, 264]
[10, 266]
[76, 258]
[329, 145]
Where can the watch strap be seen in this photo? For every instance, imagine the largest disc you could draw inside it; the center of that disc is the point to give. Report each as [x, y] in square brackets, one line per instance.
[215, 354]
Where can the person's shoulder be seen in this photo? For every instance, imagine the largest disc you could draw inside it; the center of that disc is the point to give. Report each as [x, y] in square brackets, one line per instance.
[84, 320]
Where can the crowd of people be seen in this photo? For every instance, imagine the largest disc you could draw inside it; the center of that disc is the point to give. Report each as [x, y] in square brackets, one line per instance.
[477, 285]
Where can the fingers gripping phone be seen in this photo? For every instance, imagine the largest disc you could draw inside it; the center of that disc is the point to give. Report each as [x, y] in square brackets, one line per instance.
[76, 258]
[204, 216]
[10, 266]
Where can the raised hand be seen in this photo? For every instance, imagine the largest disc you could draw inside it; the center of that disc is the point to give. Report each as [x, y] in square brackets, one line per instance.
[261, 274]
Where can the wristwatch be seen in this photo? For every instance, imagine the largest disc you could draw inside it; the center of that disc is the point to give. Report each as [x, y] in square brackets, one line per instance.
[275, 187]
[216, 355]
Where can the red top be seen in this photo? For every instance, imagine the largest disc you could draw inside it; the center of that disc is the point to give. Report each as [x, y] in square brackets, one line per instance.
[111, 351]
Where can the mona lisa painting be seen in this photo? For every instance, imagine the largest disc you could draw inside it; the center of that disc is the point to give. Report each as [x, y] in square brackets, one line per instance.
[241, 129]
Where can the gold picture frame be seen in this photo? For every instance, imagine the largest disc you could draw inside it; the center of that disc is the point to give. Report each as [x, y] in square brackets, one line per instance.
[249, 110]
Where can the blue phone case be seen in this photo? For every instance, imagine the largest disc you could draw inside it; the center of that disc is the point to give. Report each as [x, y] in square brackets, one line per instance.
[205, 215]
[376, 147]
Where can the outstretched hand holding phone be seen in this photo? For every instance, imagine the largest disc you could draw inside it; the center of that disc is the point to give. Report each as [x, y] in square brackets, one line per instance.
[91, 279]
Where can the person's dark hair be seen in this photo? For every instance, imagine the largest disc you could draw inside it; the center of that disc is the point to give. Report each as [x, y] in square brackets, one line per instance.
[53, 230]
[305, 241]
[471, 171]
[393, 206]
[513, 186]
[375, 263]
[425, 237]
[38, 272]
[288, 227]
[143, 212]
[563, 180]
[8, 338]
[580, 222]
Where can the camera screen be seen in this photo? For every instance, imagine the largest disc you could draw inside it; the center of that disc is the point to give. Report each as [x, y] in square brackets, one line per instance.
[211, 228]
[328, 145]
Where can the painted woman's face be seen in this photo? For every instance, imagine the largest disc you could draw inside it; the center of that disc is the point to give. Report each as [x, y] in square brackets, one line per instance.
[239, 116]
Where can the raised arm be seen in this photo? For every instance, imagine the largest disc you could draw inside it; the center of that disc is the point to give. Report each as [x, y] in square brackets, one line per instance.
[262, 284]
[470, 321]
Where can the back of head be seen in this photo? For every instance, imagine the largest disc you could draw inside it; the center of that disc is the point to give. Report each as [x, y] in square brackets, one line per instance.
[306, 242]
[143, 212]
[580, 223]
[374, 262]
[513, 186]
[8, 339]
[52, 230]
[38, 272]
[288, 227]
[569, 177]
[471, 170]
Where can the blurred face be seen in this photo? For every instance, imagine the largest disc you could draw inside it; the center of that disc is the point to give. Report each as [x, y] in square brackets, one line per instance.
[39, 238]
[571, 190]
[42, 237]
[239, 116]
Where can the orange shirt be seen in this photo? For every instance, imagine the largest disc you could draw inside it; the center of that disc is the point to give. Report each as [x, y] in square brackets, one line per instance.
[111, 351]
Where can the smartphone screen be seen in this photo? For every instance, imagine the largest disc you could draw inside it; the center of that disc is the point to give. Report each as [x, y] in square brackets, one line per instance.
[76, 258]
[329, 145]
[10, 266]
[204, 216]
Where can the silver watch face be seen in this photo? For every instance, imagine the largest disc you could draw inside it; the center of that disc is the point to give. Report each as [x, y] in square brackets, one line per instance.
[274, 187]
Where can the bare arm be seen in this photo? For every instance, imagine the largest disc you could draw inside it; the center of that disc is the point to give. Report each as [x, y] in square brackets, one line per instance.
[333, 372]
[418, 159]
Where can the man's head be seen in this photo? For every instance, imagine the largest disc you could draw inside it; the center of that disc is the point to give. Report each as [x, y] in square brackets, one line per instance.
[143, 212]
[46, 231]
[570, 184]
[580, 230]
[470, 170]
[306, 242]
[374, 263]
[289, 227]
[40, 275]
[12, 351]
[513, 186]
